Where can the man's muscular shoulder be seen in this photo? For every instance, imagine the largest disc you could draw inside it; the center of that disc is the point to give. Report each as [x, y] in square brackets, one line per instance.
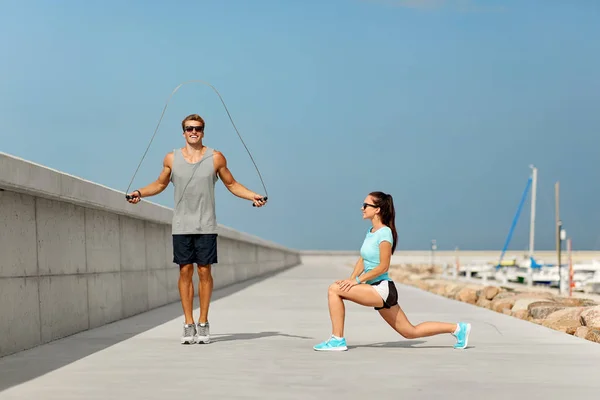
[219, 159]
[168, 160]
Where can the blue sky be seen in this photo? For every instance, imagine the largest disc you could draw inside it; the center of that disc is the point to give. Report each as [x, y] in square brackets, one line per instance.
[443, 104]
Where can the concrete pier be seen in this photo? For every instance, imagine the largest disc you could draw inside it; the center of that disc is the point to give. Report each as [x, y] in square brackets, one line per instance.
[263, 332]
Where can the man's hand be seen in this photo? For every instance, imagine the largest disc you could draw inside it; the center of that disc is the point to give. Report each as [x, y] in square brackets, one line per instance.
[346, 284]
[158, 185]
[259, 200]
[134, 197]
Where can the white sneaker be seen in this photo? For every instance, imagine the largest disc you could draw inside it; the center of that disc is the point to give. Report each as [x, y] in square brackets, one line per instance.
[203, 335]
[189, 334]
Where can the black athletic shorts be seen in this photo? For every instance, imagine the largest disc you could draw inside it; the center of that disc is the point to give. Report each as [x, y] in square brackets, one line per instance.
[198, 249]
[388, 292]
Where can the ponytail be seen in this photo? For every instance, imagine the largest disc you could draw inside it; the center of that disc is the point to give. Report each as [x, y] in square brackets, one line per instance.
[388, 213]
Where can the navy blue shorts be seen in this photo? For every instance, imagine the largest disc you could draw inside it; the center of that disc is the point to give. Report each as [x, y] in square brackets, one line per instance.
[198, 249]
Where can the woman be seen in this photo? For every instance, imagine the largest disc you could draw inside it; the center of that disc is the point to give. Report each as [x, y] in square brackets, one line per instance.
[370, 285]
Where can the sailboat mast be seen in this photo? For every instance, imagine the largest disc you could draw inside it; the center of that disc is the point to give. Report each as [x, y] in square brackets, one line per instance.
[532, 220]
[532, 226]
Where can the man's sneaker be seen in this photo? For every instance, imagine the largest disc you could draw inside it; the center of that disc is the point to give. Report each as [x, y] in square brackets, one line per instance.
[462, 336]
[203, 335]
[189, 334]
[332, 344]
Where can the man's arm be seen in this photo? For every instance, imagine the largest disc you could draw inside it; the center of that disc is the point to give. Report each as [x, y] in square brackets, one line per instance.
[231, 184]
[158, 185]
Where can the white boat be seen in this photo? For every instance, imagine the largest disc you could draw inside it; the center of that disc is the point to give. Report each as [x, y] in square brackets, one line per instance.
[586, 277]
[592, 285]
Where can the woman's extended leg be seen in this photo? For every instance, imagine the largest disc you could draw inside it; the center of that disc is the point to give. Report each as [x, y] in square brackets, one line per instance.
[396, 318]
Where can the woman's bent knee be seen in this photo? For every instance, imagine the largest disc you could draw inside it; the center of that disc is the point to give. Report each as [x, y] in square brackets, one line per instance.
[409, 333]
[334, 289]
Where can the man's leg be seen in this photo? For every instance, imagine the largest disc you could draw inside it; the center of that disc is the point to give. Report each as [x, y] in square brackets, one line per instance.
[183, 252]
[206, 255]
[205, 289]
[186, 291]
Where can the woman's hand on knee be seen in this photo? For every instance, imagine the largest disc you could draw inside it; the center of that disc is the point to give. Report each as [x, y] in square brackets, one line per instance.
[346, 284]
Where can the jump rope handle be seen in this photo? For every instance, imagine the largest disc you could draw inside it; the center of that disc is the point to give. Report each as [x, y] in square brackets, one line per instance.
[128, 197]
[263, 199]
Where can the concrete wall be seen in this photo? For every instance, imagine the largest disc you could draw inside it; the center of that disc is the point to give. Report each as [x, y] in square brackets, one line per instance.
[75, 255]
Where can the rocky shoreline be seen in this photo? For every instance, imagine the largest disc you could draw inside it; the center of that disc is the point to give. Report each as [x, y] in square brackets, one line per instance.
[574, 316]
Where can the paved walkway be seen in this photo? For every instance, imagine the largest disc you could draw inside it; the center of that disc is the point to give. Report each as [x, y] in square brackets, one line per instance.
[263, 335]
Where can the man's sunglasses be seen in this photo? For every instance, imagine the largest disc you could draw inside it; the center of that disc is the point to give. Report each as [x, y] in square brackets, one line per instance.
[365, 205]
[196, 128]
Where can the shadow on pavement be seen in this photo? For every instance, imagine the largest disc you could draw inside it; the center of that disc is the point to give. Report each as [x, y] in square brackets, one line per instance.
[250, 336]
[28, 364]
[403, 344]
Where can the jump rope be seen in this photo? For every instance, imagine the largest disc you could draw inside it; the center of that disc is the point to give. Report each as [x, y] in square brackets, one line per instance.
[128, 197]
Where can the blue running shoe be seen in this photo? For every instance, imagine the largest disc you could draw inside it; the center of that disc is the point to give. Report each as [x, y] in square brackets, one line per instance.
[332, 344]
[462, 336]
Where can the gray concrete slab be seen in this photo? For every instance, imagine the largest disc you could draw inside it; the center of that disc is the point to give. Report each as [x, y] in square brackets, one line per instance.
[262, 348]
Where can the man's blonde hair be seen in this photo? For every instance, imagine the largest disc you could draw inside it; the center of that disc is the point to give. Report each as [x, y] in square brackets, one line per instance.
[192, 117]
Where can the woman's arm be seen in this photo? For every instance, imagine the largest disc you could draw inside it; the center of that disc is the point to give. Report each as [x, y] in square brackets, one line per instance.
[359, 267]
[385, 257]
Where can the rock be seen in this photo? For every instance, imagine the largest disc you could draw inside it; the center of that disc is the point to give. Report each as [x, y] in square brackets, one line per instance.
[500, 305]
[590, 317]
[593, 335]
[542, 302]
[489, 292]
[523, 304]
[570, 330]
[581, 331]
[565, 320]
[575, 302]
[438, 288]
[403, 276]
[541, 309]
[590, 334]
[452, 289]
[467, 295]
[414, 277]
[521, 314]
[502, 301]
[483, 302]
[454, 292]
[540, 295]
[505, 295]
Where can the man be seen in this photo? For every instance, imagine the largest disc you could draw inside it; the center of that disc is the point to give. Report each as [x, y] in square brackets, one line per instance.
[194, 170]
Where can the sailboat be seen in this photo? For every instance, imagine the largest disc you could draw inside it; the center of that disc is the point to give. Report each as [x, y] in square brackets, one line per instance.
[529, 270]
[586, 276]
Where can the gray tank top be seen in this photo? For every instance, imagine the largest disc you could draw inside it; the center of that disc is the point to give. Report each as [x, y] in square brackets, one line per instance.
[194, 185]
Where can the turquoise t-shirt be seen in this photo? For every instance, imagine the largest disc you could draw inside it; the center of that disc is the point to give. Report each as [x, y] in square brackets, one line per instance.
[369, 251]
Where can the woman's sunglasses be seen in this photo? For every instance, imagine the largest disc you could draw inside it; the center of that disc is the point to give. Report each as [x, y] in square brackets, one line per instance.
[365, 205]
